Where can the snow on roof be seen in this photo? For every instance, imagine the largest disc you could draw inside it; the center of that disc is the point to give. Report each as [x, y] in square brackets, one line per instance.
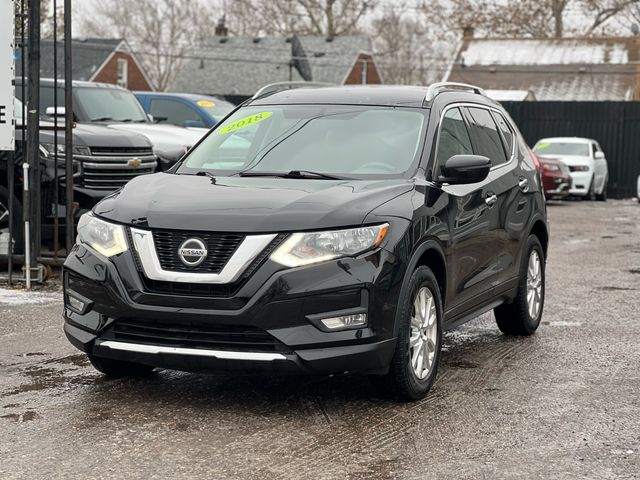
[510, 95]
[544, 52]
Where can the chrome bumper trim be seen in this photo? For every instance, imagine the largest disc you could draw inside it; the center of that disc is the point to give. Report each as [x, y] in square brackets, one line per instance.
[221, 354]
[246, 253]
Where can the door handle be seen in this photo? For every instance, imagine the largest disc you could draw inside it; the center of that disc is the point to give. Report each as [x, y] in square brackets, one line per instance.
[491, 199]
[523, 184]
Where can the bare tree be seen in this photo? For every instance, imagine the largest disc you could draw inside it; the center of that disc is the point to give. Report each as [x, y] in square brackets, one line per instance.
[162, 32]
[328, 18]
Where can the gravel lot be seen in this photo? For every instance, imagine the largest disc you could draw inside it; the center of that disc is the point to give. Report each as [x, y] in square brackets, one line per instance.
[564, 403]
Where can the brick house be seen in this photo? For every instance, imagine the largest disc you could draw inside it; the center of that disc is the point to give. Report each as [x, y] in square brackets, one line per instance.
[107, 60]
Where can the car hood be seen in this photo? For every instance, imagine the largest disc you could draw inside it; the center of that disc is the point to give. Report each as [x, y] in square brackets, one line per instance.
[235, 204]
[163, 137]
[93, 136]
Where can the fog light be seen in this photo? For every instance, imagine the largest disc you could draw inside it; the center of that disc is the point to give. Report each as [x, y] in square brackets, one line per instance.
[76, 304]
[345, 321]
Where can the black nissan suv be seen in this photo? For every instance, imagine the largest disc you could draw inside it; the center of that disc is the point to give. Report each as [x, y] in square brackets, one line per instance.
[317, 230]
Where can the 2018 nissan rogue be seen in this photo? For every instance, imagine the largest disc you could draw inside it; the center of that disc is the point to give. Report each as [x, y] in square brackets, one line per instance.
[317, 230]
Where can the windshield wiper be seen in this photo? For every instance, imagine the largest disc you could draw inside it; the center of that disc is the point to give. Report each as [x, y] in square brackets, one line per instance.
[207, 174]
[292, 174]
[102, 119]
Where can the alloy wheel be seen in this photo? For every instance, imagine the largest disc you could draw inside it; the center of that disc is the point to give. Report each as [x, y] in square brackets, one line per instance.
[534, 284]
[424, 333]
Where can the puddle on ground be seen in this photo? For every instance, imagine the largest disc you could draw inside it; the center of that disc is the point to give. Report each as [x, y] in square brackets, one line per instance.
[561, 323]
[608, 288]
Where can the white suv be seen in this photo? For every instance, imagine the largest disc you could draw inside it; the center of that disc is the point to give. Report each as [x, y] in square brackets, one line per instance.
[586, 161]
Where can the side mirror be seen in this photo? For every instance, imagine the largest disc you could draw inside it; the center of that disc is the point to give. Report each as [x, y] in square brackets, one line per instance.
[465, 169]
[55, 111]
[599, 156]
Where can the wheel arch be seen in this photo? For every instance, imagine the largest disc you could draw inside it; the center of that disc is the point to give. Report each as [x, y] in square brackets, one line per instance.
[539, 229]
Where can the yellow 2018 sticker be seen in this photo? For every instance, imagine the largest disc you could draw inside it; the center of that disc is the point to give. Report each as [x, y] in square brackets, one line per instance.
[245, 122]
[542, 146]
[205, 103]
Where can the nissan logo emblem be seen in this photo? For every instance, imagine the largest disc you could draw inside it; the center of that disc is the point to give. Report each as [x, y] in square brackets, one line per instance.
[192, 252]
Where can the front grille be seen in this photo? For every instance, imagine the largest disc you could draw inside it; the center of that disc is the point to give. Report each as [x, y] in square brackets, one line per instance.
[190, 334]
[220, 248]
[109, 168]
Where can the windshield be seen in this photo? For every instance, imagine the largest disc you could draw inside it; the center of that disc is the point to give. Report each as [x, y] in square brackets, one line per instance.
[344, 140]
[218, 109]
[109, 104]
[560, 148]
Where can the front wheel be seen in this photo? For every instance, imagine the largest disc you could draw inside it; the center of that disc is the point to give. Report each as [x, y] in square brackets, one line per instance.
[15, 218]
[415, 362]
[522, 316]
[602, 196]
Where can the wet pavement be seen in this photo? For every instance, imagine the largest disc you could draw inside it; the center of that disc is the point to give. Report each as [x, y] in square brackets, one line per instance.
[564, 403]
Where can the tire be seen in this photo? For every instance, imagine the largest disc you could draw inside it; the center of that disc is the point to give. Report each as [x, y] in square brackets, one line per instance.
[516, 318]
[602, 196]
[402, 377]
[591, 194]
[118, 368]
[16, 219]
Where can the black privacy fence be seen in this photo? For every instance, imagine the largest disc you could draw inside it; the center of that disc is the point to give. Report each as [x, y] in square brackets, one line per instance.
[615, 125]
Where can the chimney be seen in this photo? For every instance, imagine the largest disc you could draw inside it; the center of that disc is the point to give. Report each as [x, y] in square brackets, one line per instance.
[468, 32]
[221, 30]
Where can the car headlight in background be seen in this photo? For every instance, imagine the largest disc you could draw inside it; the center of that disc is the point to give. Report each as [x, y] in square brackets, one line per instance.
[551, 167]
[580, 168]
[312, 247]
[49, 150]
[106, 238]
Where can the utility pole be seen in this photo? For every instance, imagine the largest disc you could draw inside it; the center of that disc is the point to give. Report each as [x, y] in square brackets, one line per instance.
[68, 127]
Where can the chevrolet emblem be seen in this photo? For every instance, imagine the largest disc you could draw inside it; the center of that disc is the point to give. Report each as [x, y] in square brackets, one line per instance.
[134, 162]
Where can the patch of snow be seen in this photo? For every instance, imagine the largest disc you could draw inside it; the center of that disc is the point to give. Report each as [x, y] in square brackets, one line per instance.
[544, 52]
[24, 297]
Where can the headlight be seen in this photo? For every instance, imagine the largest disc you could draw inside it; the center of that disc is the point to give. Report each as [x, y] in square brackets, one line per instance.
[48, 149]
[580, 168]
[106, 238]
[313, 247]
[550, 167]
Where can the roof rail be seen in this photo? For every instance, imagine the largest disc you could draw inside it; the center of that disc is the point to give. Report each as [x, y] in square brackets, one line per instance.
[282, 86]
[436, 88]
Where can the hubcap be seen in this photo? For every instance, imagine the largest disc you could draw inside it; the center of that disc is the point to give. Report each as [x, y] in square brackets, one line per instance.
[534, 284]
[424, 333]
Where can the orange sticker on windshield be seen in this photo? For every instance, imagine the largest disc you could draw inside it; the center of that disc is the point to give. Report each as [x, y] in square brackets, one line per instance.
[205, 103]
[245, 122]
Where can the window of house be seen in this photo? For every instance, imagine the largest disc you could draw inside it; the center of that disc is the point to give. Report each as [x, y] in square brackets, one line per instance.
[484, 132]
[454, 137]
[123, 67]
[174, 112]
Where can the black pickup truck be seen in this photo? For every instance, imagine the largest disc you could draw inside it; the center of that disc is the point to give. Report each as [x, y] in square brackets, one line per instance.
[103, 161]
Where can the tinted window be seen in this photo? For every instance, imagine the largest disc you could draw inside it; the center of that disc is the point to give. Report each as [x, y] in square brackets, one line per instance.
[486, 137]
[506, 132]
[344, 140]
[174, 112]
[454, 138]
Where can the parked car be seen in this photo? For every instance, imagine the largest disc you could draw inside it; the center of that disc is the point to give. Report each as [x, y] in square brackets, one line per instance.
[103, 159]
[556, 178]
[369, 227]
[117, 108]
[184, 109]
[587, 164]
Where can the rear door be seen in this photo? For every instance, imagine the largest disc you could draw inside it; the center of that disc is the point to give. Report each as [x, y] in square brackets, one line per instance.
[471, 248]
[176, 112]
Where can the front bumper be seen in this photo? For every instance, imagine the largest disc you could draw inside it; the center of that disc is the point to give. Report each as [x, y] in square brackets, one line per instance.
[278, 307]
[581, 183]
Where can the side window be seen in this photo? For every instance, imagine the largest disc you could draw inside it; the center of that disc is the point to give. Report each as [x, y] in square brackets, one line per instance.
[484, 132]
[454, 137]
[174, 112]
[507, 133]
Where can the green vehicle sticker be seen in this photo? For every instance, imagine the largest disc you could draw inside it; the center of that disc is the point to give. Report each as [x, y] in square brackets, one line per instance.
[245, 122]
[542, 146]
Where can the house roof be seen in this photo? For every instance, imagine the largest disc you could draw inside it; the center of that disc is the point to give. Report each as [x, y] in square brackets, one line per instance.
[241, 65]
[553, 69]
[87, 54]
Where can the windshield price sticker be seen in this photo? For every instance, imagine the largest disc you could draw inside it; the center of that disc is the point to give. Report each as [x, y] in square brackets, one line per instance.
[205, 103]
[245, 122]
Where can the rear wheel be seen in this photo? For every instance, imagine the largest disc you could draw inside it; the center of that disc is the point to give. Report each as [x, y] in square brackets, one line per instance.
[118, 368]
[415, 363]
[522, 316]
